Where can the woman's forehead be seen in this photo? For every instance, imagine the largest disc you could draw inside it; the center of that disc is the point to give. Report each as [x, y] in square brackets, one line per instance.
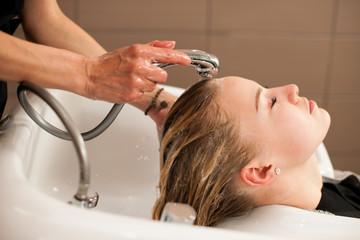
[239, 94]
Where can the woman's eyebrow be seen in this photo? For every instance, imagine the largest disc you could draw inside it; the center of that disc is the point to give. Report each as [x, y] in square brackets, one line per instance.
[257, 97]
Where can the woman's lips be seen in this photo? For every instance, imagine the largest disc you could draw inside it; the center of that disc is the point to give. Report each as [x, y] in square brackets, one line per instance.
[312, 105]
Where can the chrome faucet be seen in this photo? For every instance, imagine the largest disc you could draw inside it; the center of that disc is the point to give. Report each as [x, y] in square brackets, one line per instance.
[178, 213]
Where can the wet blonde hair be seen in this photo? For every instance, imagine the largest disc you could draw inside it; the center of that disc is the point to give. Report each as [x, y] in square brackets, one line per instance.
[201, 154]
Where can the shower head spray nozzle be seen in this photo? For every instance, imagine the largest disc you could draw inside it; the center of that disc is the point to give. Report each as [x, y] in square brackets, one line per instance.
[207, 65]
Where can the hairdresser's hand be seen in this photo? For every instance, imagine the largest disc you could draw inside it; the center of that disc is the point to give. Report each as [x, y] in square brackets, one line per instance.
[125, 74]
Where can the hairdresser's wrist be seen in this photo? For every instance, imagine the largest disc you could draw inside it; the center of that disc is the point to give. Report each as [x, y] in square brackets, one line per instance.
[158, 114]
[78, 77]
[56, 68]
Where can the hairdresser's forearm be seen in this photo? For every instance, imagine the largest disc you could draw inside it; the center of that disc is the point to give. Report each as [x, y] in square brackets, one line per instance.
[44, 23]
[45, 66]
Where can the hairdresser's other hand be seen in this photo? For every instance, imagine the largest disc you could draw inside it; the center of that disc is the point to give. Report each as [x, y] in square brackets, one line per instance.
[125, 74]
[160, 118]
[160, 115]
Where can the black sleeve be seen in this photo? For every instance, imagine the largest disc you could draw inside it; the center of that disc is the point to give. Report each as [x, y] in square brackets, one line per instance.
[341, 199]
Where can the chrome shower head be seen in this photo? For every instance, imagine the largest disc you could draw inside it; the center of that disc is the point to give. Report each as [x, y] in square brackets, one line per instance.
[207, 65]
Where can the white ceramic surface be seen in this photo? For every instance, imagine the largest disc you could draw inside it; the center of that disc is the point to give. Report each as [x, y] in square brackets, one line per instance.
[39, 174]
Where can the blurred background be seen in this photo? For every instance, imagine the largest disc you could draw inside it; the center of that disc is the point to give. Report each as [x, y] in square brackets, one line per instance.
[314, 44]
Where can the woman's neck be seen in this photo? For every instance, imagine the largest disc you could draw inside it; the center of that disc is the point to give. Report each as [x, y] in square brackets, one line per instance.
[299, 187]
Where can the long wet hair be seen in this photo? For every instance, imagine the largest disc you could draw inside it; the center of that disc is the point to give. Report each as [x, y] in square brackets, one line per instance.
[201, 154]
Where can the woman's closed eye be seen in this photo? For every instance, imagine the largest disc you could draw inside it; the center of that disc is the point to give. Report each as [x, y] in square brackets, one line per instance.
[273, 101]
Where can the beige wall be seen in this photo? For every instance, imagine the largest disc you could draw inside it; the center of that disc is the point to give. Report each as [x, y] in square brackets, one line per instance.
[315, 44]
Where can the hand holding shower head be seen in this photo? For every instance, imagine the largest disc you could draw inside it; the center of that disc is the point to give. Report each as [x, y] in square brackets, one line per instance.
[207, 65]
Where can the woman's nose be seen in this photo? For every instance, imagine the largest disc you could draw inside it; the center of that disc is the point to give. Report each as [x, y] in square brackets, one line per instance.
[292, 92]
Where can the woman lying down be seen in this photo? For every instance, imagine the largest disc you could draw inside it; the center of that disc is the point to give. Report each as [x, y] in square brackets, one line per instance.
[229, 145]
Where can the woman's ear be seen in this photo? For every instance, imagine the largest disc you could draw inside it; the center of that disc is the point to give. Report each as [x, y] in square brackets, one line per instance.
[254, 174]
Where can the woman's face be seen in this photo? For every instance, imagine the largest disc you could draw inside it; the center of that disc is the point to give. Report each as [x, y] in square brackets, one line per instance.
[282, 125]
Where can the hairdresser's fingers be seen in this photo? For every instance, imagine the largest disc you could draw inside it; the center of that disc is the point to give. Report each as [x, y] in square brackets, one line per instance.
[167, 56]
[162, 44]
[140, 71]
[155, 54]
[153, 74]
[147, 86]
[141, 75]
[145, 76]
